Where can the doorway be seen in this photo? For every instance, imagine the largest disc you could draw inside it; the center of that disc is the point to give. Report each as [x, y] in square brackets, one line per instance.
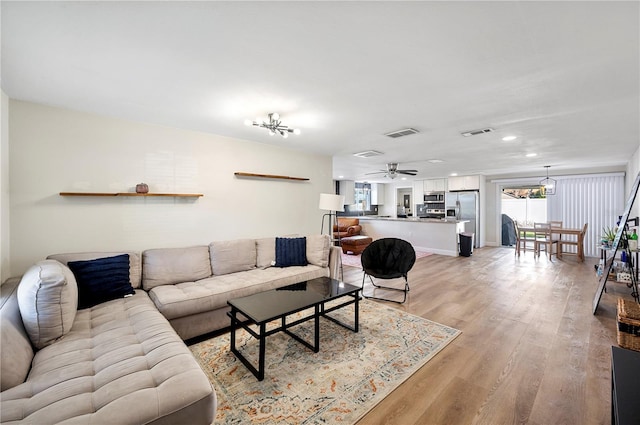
[523, 204]
[404, 201]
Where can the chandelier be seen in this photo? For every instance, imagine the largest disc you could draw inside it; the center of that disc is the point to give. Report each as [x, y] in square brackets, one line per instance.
[274, 125]
[548, 183]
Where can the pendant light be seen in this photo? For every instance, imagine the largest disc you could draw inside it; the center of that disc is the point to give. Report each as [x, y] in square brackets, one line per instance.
[548, 183]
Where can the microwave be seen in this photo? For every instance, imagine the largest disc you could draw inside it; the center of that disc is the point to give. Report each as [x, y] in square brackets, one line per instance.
[434, 197]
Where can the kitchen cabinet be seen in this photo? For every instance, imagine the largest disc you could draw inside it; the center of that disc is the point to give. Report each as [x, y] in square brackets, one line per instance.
[435, 185]
[377, 194]
[418, 191]
[464, 183]
[348, 189]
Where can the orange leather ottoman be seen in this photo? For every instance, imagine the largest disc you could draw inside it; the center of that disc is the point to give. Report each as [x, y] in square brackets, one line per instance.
[355, 244]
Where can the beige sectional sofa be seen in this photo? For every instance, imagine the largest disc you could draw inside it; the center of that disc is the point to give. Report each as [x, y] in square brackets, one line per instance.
[124, 361]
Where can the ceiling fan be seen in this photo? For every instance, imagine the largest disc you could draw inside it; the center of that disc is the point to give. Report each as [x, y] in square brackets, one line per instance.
[392, 171]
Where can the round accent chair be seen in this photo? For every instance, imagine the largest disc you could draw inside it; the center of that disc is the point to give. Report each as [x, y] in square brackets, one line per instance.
[388, 258]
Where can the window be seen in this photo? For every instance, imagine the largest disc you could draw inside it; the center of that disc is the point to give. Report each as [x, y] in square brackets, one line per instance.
[363, 196]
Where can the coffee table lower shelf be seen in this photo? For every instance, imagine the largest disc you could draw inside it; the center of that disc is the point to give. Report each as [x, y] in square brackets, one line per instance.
[281, 314]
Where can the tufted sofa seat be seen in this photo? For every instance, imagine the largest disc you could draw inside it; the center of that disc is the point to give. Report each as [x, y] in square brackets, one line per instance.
[121, 362]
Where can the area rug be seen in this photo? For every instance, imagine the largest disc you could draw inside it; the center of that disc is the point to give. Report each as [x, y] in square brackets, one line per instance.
[354, 260]
[350, 374]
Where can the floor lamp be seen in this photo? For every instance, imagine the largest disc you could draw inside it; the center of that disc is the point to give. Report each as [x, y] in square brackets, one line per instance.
[331, 203]
[335, 203]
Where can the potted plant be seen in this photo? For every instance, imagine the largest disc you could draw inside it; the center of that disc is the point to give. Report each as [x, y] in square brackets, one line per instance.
[608, 235]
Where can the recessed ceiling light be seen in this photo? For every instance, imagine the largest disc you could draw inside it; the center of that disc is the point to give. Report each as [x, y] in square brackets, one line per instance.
[403, 178]
[453, 174]
[531, 155]
[340, 177]
[509, 138]
[435, 161]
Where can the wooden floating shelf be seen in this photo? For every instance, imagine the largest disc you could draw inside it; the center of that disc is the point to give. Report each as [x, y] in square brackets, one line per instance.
[175, 195]
[270, 176]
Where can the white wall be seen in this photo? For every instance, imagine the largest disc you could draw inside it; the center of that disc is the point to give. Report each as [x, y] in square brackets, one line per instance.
[5, 269]
[54, 150]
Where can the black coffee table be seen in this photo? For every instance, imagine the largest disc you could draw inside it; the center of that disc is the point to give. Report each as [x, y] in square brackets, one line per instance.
[264, 307]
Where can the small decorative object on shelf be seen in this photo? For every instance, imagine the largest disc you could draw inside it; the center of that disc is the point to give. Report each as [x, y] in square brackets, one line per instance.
[608, 235]
[142, 188]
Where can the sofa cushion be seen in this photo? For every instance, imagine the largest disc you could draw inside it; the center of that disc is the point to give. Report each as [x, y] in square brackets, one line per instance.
[291, 252]
[318, 248]
[232, 256]
[17, 351]
[135, 263]
[190, 298]
[167, 266]
[122, 363]
[48, 300]
[102, 279]
[265, 252]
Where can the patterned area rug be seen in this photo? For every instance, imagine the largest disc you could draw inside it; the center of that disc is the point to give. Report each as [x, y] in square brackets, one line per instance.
[354, 260]
[338, 385]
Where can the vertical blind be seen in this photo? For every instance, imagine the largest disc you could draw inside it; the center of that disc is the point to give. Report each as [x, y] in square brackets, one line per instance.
[592, 199]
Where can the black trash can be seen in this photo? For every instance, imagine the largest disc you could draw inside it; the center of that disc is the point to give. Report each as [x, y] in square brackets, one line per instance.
[466, 244]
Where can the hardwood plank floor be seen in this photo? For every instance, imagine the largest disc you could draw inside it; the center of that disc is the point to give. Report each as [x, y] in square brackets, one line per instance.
[531, 351]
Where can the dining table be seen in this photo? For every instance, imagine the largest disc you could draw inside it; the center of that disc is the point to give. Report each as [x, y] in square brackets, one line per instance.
[561, 231]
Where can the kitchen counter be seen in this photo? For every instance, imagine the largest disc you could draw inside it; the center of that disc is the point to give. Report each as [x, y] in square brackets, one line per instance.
[426, 234]
[411, 219]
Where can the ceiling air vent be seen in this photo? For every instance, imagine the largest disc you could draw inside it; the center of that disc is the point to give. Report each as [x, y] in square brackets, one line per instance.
[476, 132]
[367, 154]
[403, 132]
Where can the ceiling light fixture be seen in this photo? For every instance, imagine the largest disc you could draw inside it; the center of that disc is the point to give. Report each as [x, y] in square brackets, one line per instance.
[531, 155]
[509, 138]
[548, 183]
[274, 125]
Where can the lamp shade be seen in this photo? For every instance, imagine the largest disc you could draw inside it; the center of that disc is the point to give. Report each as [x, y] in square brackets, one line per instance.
[331, 202]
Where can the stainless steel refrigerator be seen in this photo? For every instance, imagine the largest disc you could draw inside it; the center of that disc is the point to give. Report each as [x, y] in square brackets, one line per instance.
[467, 205]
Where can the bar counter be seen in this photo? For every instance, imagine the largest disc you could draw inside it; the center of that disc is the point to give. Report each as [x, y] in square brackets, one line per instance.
[425, 234]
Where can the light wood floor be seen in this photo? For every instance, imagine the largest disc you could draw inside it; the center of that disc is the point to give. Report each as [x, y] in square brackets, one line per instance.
[531, 351]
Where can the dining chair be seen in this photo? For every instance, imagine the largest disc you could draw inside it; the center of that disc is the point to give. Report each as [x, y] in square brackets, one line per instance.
[542, 233]
[525, 240]
[518, 238]
[555, 236]
[578, 243]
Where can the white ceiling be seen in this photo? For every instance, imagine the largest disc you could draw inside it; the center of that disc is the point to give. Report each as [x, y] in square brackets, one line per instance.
[562, 76]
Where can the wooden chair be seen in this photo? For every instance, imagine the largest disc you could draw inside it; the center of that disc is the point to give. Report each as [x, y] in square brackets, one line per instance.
[555, 237]
[518, 238]
[522, 239]
[543, 238]
[578, 243]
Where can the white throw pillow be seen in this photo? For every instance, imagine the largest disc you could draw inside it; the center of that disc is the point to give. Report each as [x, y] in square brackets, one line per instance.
[48, 301]
[265, 252]
[232, 256]
[318, 247]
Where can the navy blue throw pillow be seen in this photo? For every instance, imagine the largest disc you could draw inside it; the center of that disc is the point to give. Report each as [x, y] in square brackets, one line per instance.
[102, 279]
[291, 252]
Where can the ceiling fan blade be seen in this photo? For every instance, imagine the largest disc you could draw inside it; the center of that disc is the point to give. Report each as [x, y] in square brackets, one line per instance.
[407, 172]
[375, 172]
